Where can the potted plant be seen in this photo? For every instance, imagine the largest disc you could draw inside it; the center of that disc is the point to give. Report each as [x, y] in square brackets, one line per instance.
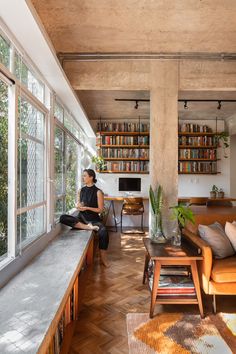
[213, 191]
[100, 162]
[220, 193]
[181, 213]
[156, 200]
[224, 138]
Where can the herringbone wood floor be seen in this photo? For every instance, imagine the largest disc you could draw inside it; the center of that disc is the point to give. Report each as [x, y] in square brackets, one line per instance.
[113, 292]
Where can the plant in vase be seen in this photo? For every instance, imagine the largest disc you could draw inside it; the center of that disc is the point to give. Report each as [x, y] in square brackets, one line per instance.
[214, 191]
[100, 162]
[181, 213]
[156, 200]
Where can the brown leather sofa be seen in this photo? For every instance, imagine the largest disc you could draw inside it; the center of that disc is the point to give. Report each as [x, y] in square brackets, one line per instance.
[217, 276]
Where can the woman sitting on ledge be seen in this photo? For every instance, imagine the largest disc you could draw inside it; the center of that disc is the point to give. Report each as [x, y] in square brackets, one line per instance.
[90, 204]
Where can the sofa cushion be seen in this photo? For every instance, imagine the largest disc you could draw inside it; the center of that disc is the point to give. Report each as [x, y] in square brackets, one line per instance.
[215, 236]
[230, 230]
[224, 270]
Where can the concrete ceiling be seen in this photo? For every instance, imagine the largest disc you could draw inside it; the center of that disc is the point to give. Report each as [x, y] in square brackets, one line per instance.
[141, 26]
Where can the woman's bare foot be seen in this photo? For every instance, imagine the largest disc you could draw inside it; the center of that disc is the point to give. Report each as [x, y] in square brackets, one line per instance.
[103, 258]
[93, 227]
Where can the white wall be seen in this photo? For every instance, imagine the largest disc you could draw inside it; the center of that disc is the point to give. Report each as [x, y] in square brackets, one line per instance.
[200, 185]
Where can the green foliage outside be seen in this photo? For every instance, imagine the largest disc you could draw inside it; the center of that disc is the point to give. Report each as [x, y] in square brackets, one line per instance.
[3, 166]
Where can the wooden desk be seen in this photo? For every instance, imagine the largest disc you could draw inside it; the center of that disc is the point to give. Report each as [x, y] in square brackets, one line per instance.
[187, 199]
[204, 210]
[166, 254]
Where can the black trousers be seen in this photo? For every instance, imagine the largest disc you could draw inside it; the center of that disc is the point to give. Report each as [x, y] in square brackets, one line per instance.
[103, 237]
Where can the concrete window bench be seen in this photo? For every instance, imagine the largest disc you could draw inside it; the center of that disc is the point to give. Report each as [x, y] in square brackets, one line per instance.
[39, 306]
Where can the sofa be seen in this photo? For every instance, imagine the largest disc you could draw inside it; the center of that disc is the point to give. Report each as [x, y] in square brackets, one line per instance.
[217, 276]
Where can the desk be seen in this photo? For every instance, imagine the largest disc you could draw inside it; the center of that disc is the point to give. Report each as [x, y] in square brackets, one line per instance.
[187, 199]
[166, 254]
[118, 198]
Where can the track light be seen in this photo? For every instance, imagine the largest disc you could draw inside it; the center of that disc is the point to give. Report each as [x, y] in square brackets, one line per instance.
[185, 105]
[219, 105]
[136, 105]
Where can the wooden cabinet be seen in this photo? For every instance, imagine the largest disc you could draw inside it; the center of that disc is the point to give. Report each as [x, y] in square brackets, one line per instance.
[197, 150]
[124, 147]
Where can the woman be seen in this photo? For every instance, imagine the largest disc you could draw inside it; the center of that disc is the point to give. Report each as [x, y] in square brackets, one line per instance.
[90, 204]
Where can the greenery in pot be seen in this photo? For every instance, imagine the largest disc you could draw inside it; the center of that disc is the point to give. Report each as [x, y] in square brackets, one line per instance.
[100, 162]
[214, 191]
[224, 138]
[182, 214]
[156, 200]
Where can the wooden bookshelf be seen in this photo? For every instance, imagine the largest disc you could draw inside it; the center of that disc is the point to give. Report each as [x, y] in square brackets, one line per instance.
[124, 147]
[197, 150]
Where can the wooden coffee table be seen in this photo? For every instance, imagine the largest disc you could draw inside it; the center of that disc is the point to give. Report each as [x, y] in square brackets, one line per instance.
[166, 254]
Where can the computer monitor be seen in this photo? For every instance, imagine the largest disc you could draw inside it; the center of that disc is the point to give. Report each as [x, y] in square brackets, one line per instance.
[129, 184]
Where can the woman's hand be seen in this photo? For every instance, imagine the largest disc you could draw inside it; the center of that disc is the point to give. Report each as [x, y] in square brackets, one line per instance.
[82, 208]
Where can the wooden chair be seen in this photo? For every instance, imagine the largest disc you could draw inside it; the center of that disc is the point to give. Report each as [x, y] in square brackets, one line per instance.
[198, 201]
[132, 206]
[221, 203]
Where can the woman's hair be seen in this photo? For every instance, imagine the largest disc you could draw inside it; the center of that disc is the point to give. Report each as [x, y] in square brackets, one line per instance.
[91, 173]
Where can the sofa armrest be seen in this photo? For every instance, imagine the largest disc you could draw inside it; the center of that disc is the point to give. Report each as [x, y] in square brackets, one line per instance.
[205, 265]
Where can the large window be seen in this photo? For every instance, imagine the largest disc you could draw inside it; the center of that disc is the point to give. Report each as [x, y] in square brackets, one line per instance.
[3, 169]
[4, 52]
[31, 200]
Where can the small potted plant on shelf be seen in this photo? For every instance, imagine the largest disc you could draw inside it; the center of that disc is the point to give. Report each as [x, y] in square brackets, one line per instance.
[181, 213]
[100, 162]
[214, 191]
[156, 200]
[220, 193]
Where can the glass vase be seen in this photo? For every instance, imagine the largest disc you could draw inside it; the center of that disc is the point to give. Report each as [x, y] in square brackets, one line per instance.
[157, 235]
[176, 237]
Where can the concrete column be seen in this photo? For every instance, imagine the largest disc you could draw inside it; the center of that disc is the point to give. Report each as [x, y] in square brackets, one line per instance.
[164, 134]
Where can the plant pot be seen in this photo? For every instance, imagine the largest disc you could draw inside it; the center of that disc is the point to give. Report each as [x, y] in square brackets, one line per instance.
[157, 235]
[220, 195]
[212, 194]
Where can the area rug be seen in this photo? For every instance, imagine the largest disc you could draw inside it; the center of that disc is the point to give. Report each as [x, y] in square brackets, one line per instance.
[174, 333]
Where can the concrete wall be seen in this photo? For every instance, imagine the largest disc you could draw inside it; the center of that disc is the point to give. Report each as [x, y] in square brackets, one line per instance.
[233, 166]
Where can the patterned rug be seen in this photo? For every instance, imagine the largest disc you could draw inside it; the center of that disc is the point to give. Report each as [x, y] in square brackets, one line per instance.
[174, 333]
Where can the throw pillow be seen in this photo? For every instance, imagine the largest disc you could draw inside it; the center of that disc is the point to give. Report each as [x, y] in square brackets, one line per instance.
[230, 230]
[215, 236]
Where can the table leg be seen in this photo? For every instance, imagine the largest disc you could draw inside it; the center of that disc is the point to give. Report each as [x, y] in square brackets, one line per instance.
[156, 276]
[197, 286]
[114, 213]
[147, 257]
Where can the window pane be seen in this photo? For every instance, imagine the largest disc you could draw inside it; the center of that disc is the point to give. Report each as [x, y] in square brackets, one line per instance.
[71, 172]
[59, 208]
[4, 52]
[30, 225]
[23, 73]
[3, 167]
[58, 112]
[31, 121]
[30, 173]
[59, 161]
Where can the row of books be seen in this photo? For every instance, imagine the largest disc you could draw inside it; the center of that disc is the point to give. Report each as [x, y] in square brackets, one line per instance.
[122, 127]
[69, 314]
[197, 154]
[127, 166]
[124, 153]
[122, 140]
[197, 140]
[194, 128]
[198, 167]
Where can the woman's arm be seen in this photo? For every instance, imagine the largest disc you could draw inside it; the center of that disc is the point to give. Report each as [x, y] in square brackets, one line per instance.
[100, 207]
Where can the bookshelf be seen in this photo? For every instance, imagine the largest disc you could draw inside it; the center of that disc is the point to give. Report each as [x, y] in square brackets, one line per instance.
[197, 150]
[124, 147]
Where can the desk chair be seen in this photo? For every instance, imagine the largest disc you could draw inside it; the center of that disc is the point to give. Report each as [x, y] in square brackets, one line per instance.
[221, 203]
[198, 201]
[132, 206]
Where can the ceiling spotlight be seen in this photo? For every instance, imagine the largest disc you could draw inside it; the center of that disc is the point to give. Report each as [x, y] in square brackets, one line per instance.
[219, 105]
[185, 105]
[136, 105]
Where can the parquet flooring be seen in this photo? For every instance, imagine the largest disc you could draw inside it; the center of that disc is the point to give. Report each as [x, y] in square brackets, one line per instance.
[113, 292]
